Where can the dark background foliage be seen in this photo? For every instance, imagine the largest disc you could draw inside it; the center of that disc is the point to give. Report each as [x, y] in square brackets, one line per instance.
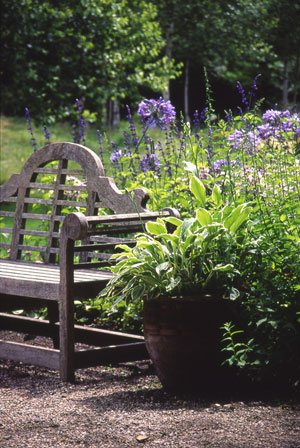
[109, 53]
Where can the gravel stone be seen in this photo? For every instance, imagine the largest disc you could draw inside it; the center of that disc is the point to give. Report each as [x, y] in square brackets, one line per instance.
[126, 407]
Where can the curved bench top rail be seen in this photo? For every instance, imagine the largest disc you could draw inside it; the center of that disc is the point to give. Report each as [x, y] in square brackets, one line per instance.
[93, 191]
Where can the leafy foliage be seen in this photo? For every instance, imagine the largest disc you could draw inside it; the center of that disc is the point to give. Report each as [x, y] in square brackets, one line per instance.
[92, 50]
[201, 256]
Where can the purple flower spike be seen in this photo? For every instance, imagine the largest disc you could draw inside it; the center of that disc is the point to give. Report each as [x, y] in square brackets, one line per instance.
[100, 141]
[81, 122]
[242, 93]
[46, 134]
[30, 129]
[156, 113]
[150, 162]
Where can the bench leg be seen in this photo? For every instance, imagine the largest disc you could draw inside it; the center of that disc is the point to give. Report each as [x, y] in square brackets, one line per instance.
[66, 337]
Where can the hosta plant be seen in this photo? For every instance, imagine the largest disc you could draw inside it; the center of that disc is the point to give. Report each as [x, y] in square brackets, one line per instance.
[202, 255]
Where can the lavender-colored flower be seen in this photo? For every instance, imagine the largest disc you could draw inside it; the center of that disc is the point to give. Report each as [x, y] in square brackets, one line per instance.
[196, 121]
[133, 135]
[265, 131]
[30, 129]
[115, 158]
[296, 117]
[287, 126]
[228, 116]
[274, 116]
[221, 164]
[244, 140]
[100, 141]
[252, 141]
[150, 162]
[46, 134]
[236, 139]
[203, 114]
[156, 112]
[81, 122]
[254, 86]
[242, 93]
[196, 118]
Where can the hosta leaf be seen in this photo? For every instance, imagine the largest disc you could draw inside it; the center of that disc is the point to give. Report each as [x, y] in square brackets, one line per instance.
[203, 216]
[162, 267]
[156, 228]
[172, 220]
[217, 196]
[223, 267]
[198, 190]
[187, 223]
[239, 221]
[173, 284]
[237, 217]
[138, 292]
[124, 247]
[188, 166]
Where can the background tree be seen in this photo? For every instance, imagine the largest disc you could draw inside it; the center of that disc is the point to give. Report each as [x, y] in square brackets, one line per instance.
[95, 50]
[235, 40]
[107, 52]
[286, 43]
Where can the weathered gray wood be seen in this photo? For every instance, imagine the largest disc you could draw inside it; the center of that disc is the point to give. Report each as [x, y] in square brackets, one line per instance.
[111, 355]
[86, 335]
[10, 187]
[49, 283]
[66, 310]
[39, 356]
[50, 257]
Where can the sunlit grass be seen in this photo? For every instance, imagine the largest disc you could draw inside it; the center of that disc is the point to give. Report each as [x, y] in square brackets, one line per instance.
[16, 147]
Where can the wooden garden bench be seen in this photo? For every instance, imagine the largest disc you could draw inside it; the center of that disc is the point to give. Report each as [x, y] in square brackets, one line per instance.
[67, 216]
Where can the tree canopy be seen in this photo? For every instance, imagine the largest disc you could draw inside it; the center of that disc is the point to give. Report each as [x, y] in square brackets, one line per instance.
[100, 50]
[54, 52]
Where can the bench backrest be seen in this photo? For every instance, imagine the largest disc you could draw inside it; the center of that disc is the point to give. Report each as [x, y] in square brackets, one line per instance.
[57, 179]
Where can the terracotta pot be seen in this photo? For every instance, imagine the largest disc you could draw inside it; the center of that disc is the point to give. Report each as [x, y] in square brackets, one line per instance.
[183, 340]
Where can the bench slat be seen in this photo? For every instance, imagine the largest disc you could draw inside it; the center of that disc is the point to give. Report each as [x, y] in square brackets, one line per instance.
[49, 201]
[33, 248]
[88, 265]
[35, 232]
[38, 185]
[42, 217]
[39, 356]
[33, 270]
[5, 214]
[111, 355]
[108, 239]
[6, 229]
[69, 172]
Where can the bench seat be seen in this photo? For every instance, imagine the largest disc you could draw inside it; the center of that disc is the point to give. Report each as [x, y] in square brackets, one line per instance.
[37, 280]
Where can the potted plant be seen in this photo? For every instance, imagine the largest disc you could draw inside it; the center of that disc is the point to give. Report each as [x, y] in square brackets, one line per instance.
[183, 279]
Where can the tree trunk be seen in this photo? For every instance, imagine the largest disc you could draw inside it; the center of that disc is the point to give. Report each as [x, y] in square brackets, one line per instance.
[109, 114]
[169, 45]
[113, 114]
[296, 83]
[285, 86]
[186, 90]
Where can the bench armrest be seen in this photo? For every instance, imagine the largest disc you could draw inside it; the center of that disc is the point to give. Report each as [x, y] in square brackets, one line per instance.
[77, 226]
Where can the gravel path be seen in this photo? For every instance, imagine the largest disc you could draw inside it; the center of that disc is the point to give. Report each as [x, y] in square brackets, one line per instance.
[125, 407]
